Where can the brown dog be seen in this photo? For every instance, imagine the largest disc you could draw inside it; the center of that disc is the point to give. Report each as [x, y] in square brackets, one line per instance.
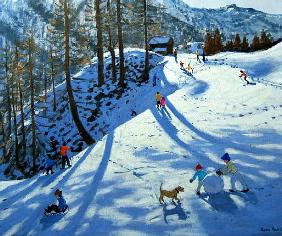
[171, 194]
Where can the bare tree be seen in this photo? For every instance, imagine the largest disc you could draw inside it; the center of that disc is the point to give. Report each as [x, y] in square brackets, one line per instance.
[2, 127]
[16, 142]
[83, 133]
[8, 89]
[31, 49]
[23, 141]
[120, 45]
[100, 52]
[146, 70]
[110, 39]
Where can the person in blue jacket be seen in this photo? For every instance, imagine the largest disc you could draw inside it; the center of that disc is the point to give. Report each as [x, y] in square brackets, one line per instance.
[62, 205]
[201, 175]
[49, 164]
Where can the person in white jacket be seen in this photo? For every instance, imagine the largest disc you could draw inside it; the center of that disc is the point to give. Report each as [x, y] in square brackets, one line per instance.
[231, 169]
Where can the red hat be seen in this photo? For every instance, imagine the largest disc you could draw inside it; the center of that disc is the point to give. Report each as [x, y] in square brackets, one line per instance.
[198, 167]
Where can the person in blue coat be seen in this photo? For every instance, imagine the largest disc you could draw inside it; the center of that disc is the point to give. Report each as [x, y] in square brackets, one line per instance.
[62, 205]
[201, 175]
[49, 164]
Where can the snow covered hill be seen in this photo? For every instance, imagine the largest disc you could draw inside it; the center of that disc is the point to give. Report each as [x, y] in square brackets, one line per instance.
[113, 186]
[100, 108]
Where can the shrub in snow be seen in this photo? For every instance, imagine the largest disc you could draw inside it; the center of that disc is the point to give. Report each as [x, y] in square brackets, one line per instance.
[213, 184]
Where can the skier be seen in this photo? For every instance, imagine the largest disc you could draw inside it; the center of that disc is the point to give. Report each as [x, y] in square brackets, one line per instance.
[49, 164]
[244, 75]
[197, 54]
[163, 102]
[158, 99]
[231, 169]
[201, 174]
[181, 65]
[64, 149]
[61, 207]
[175, 54]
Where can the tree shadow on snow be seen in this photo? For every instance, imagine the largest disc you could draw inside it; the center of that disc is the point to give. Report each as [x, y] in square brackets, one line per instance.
[97, 178]
[49, 221]
[218, 140]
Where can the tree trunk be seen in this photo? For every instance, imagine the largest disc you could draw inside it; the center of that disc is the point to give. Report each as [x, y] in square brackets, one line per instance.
[111, 48]
[15, 129]
[22, 121]
[32, 108]
[83, 133]
[45, 83]
[9, 112]
[53, 81]
[146, 70]
[120, 45]
[3, 134]
[100, 52]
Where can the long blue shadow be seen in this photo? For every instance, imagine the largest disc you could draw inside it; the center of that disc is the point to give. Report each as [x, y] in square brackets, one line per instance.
[95, 182]
[217, 140]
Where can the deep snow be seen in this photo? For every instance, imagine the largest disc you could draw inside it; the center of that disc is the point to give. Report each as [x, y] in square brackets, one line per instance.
[113, 186]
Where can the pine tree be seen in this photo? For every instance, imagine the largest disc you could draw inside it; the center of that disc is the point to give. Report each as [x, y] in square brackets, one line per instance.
[255, 44]
[209, 44]
[229, 45]
[217, 42]
[245, 44]
[265, 40]
[237, 43]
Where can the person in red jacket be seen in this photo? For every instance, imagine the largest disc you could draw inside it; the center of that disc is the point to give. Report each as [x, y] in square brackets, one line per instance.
[244, 75]
[63, 150]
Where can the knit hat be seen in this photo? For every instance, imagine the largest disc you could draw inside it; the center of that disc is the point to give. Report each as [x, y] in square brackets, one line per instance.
[226, 157]
[198, 167]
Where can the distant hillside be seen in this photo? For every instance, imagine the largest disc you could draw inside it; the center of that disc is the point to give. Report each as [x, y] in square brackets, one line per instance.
[181, 21]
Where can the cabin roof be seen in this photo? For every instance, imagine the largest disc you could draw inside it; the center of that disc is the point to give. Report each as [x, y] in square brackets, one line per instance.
[159, 40]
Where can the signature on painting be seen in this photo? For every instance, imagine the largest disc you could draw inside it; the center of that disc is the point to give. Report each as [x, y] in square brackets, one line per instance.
[271, 229]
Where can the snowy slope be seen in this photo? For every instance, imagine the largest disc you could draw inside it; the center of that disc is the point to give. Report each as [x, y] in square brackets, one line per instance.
[113, 186]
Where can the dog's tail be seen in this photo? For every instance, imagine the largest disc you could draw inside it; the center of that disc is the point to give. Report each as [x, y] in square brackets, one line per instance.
[161, 186]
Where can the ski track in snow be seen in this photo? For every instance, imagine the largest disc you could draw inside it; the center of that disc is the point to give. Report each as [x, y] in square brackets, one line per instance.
[112, 187]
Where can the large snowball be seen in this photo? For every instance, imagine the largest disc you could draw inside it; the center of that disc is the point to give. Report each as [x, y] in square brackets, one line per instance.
[213, 184]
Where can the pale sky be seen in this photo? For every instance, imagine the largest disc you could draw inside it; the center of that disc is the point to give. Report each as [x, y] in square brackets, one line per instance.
[270, 6]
